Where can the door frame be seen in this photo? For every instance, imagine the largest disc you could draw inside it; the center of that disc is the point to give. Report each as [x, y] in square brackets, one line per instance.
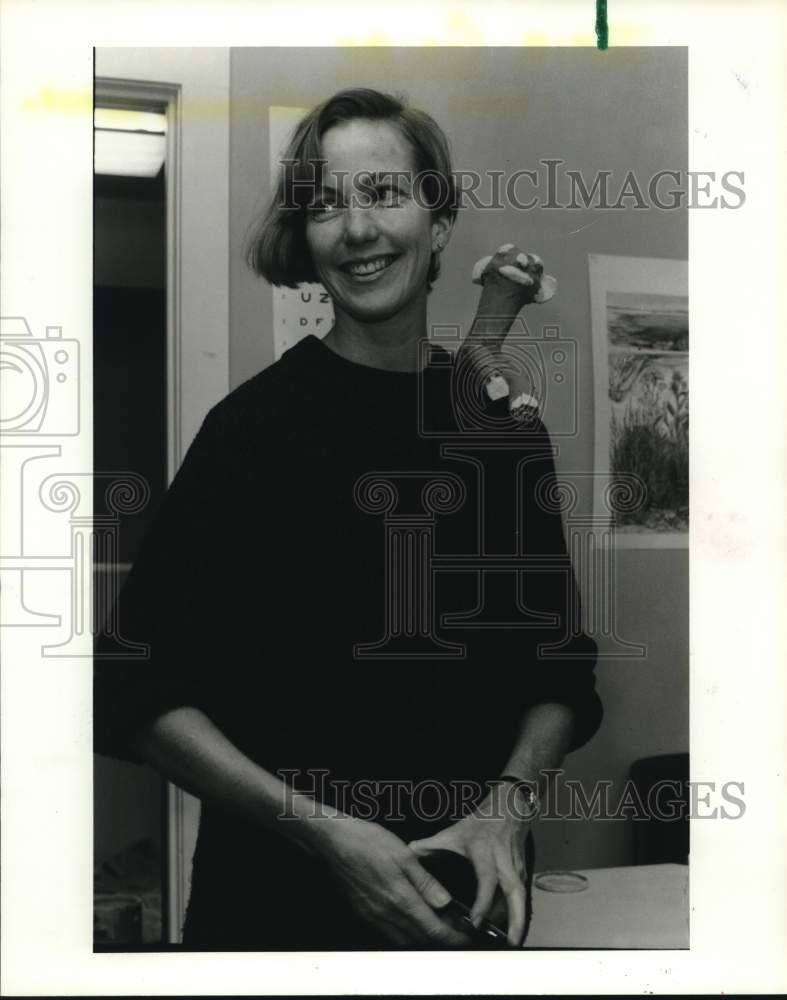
[193, 86]
[139, 95]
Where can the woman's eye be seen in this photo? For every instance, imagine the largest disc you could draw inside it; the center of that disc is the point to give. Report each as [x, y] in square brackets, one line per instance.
[324, 208]
[389, 197]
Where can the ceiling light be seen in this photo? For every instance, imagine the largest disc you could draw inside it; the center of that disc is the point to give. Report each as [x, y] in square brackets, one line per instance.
[122, 120]
[129, 154]
[129, 143]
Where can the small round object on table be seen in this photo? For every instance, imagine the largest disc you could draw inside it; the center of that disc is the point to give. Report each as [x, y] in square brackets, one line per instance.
[560, 882]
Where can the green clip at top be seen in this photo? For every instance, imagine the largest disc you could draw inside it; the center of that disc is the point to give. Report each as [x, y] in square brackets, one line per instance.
[602, 28]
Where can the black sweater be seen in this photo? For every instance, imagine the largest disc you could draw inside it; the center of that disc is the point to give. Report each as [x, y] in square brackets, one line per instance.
[271, 568]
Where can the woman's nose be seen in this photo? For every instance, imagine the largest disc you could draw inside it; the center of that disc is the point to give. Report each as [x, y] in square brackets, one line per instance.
[360, 224]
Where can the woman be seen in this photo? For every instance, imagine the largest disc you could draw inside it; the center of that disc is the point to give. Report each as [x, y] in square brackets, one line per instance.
[264, 587]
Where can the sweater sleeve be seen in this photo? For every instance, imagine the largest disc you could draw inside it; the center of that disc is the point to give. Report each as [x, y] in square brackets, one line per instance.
[175, 602]
[555, 659]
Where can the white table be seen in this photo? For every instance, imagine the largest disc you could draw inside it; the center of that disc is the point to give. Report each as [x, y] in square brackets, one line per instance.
[642, 906]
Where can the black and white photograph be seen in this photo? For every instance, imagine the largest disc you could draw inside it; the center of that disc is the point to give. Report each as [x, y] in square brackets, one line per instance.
[369, 602]
[374, 661]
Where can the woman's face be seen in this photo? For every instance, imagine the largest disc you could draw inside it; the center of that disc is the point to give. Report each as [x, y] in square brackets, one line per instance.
[370, 242]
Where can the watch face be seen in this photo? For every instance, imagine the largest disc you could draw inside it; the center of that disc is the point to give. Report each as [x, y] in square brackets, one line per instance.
[531, 801]
[520, 797]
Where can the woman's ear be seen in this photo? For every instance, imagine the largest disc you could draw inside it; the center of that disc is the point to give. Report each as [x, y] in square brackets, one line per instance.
[442, 228]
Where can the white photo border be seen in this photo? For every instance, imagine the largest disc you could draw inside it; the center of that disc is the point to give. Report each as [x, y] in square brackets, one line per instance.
[738, 111]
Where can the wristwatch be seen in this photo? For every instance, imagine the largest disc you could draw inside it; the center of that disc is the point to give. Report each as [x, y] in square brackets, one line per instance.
[526, 790]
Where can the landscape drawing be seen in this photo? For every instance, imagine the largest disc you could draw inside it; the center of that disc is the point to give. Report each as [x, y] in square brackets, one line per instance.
[648, 392]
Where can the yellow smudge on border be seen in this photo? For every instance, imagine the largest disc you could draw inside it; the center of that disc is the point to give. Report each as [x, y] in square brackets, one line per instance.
[462, 25]
[624, 33]
[130, 121]
[373, 39]
[457, 28]
[51, 101]
[496, 25]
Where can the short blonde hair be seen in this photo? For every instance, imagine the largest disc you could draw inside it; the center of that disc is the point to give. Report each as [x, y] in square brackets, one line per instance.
[276, 248]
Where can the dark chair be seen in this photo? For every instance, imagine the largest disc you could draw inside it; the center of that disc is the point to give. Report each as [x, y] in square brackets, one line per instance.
[662, 785]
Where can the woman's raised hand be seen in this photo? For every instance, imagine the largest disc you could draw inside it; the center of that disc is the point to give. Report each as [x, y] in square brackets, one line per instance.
[387, 885]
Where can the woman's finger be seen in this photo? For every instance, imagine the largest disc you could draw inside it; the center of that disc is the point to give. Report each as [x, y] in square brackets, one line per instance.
[486, 877]
[435, 894]
[434, 930]
[441, 841]
[428, 925]
[514, 892]
[431, 895]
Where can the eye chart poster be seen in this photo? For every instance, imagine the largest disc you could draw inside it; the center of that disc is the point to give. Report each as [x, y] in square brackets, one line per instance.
[307, 309]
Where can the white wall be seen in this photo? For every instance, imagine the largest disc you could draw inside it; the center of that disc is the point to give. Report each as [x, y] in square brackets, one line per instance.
[624, 109]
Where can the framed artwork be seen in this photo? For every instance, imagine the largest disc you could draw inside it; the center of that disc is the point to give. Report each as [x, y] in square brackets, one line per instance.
[640, 327]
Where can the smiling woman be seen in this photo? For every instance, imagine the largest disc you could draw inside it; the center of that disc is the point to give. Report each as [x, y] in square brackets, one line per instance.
[348, 713]
[373, 258]
[365, 204]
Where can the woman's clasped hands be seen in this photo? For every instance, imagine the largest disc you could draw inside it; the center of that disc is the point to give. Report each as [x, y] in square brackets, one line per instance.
[387, 885]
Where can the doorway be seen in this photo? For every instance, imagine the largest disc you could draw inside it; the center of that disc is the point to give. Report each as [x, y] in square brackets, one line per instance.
[130, 444]
[192, 87]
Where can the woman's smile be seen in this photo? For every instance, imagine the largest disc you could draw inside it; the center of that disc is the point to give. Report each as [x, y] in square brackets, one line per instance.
[369, 268]
[370, 240]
